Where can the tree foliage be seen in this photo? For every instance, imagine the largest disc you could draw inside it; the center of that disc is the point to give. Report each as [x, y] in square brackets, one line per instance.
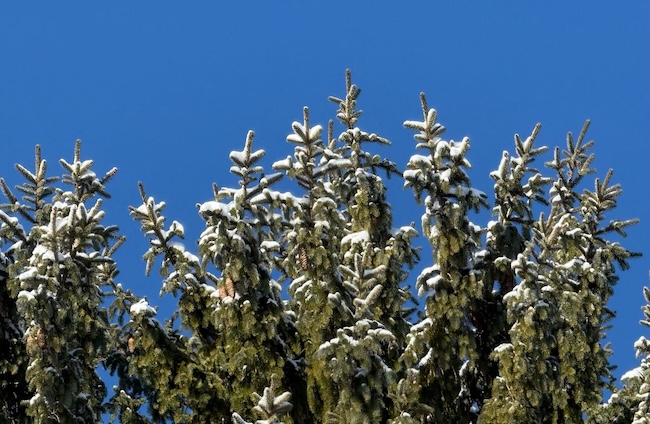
[303, 296]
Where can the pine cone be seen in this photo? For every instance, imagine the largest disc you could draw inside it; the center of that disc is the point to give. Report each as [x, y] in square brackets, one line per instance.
[35, 341]
[304, 260]
[227, 289]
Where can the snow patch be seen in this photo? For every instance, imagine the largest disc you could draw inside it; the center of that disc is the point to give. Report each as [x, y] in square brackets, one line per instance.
[355, 238]
[632, 374]
[142, 307]
[27, 295]
[503, 347]
[425, 360]
[215, 207]
[641, 346]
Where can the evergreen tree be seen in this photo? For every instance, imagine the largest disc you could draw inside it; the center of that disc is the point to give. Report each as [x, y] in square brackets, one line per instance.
[355, 341]
[56, 276]
[13, 359]
[631, 404]
[322, 304]
[513, 211]
[384, 251]
[236, 320]
[554, 367]
[442, 346]
[373, 256]
[269, 406]
[511, 329]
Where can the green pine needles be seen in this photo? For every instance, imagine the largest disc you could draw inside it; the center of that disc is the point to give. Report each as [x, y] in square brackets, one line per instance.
[295, 305]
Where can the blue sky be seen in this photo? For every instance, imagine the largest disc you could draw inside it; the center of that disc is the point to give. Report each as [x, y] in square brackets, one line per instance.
[165, 90]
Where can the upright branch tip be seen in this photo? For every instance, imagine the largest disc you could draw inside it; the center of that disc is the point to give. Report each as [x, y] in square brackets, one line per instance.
[142, 192]
[249, 145]
[77, 150]
[305, 114]
[348, 80]
[37, 156]
[425, 108]
[215, 191]
[330, 133]
[583, 132]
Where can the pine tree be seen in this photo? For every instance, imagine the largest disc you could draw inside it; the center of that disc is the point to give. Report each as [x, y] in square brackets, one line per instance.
[236, 320]
[515, 197]
[554, 368]
[441, 348]
[321, 303]
[631, 404]
[384, 251]
[345, 210]
[373, 256]
[56, 275]
[13, 358]
[511, 330]
[269, 406]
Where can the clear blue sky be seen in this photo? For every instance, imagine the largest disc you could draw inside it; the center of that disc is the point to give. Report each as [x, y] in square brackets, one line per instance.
[165, 90]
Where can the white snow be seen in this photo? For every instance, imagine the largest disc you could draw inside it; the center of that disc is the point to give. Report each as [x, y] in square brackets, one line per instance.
[632, 374]
[142, 307]
[641, 345]
[433, 281]
[28, 274]
[503, 168]
[491, 224]
[514, 293]
[177, 228]
[420, 161]
[215, 207]
[426, 358]
[300, 135]
[34, 399]
[441, 147]
[142, 209]
[405, 230]
[176, 245]
[238, 157]
[315, 132]
[503, 347]
[283, 164]
[272, 246]
[44, 252]
[325, 202]
[274, 196]
[381, 333]
[333, 164]
[573, 262]
[85, 164]
[191, 258]
[355, 238]
[417, 125]
[28, 295]
[411, 174]
[574, 233]
[61, 223]
[421, 326]
[457, 149]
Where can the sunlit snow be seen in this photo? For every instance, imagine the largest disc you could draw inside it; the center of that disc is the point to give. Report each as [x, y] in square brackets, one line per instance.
[142, 307]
